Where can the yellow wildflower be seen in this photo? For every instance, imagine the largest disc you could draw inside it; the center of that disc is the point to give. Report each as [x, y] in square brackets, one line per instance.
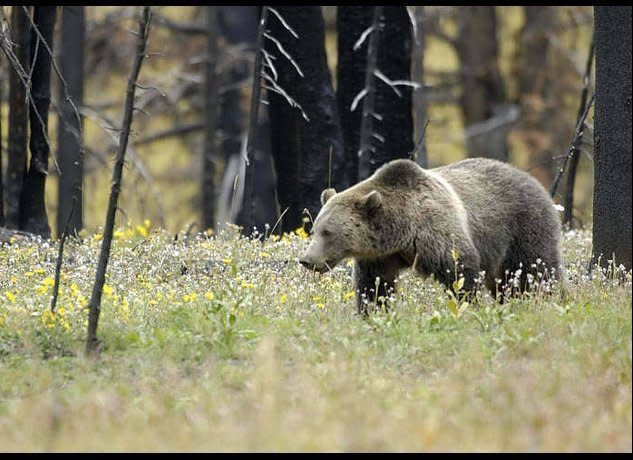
[189, 297]
[301, 233]
[348, 295]
[142, 231]
[283, 298]
[108, 291]
[209, 295]
[10, 296]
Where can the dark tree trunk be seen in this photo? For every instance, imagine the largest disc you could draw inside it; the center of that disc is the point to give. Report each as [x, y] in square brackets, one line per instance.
[69, 154]
[210, 151]
[536, 87]
[33, 216]
[612, 136]
[238, 25]
[483, 94]
[18, 114]
[1, 175]
[301, 148]
[394, 61]
[417, 70]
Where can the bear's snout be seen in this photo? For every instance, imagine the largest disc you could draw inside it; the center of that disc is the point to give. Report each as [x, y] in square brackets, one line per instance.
[310, 265]
[313, 265]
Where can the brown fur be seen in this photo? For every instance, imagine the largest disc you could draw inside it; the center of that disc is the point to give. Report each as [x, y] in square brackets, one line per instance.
[497, 218]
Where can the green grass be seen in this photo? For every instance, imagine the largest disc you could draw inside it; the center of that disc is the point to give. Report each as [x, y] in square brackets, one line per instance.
[228, 344]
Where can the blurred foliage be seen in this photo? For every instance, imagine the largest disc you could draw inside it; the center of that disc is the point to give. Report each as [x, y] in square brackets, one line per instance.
[161, 181]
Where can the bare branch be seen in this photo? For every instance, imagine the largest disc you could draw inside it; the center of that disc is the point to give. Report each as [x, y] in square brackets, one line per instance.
[284, 52]
[571, 176]
[572, 148]
[175, 131]
[284, 23]
[269, 63]
[362, 37]
[357, 99]
[414, 25]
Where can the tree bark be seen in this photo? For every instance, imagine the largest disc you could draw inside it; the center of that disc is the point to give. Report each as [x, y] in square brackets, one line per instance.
[417, 70]
[537, 86]
[210, 152]
[18, 115]
[393, 60]
[612, 136]
[33, 217]
[483, 93]
[301, 146]
[1, 174]
[92, 342]
[366, 150]
[69, 128]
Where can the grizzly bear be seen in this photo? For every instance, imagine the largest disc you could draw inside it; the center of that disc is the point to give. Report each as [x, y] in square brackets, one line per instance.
[489, 215]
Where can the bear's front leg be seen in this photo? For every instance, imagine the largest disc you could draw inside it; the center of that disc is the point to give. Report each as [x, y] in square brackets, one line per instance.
[374, 281]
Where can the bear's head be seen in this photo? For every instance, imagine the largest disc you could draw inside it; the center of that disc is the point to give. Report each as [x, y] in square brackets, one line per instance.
[343, 228]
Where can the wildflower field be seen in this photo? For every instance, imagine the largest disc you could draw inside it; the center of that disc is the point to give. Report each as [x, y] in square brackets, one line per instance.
[225, 343]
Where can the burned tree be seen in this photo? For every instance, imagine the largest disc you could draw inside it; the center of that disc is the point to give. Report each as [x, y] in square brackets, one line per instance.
[303, 114]
[69, 147]
[92, 342]
[210, 150]
[419, 100]
[392, 123]
[484, 107]
[33, 217]
[18, 114]
[612, 136]
[537, 87]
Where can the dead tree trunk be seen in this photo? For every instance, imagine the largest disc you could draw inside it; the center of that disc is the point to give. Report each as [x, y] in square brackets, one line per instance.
[537, 86]
[483, 94]
[1, 175]
[612, 136]
[18, 115]
[33, 217]
[393, 123]
[69, 154]
[210, 151]
[92, 342]
[417, 71]
[302, 134]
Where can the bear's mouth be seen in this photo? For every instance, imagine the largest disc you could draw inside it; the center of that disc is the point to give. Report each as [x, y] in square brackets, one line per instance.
[319, 268]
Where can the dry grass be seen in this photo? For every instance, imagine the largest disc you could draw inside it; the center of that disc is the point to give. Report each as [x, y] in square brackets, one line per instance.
[225, 344]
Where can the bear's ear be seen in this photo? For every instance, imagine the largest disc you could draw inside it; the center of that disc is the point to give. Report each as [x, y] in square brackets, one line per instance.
[326, 195]
[372, 201]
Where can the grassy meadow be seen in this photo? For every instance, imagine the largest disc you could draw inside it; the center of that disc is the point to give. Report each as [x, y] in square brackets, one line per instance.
[226, 344]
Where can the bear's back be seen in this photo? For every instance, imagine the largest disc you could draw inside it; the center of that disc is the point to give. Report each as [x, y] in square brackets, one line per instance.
[502, 202]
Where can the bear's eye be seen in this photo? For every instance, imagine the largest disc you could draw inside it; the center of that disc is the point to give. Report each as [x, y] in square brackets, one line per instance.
[326, 233]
